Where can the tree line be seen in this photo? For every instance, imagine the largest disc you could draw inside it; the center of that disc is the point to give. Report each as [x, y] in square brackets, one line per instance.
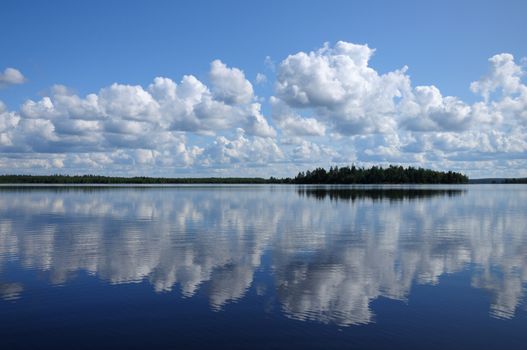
[522, 180]
[97, 179]
[378, 175]
[335, 175]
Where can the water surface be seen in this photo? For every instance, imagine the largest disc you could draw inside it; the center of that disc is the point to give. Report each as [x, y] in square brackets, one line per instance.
[263, 266]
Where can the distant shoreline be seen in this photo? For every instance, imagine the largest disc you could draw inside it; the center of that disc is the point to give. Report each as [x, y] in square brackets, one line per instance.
[243, 182]
[112, 180]
[105, 180]
[499, 180]
[334, 176]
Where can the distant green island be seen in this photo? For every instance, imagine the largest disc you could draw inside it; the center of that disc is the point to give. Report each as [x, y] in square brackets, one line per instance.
[335, 175]
[379, 175]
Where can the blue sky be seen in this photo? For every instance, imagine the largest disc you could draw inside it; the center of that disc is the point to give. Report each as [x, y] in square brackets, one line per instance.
[80, 95]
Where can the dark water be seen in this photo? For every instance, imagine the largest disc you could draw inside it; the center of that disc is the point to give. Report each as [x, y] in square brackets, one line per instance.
[264, 267]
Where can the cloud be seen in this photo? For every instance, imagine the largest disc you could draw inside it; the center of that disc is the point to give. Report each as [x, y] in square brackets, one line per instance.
[260, 78]
[229, 84]
[8, 122]
[427, 110]
[11, 76]
[329, 106]
[191, 106]
[293, 124]
[339, 85]
[142, 126]
[309, 152]
[504, 74]
[40, 109]
[510, 95]
[333, 91]
[128, 102]
[243, 151]
[298, 126]
[256, 124]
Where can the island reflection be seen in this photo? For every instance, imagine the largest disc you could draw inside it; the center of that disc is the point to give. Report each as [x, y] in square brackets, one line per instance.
[396, 193]
[330, 258]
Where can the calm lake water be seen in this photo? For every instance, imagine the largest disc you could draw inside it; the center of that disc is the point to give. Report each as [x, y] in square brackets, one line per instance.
[296, 267]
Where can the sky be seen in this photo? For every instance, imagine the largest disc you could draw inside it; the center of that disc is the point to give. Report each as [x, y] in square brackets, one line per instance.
[262, 88]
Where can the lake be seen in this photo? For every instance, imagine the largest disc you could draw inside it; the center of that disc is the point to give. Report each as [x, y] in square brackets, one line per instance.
[263, 266]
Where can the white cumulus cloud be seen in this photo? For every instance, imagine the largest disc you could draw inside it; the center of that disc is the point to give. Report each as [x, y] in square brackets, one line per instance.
[229, 84]
[342, 88]
[329, 106]
[11, 76]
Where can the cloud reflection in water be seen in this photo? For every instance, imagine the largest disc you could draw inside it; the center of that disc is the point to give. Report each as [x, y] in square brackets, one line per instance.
[333, 250]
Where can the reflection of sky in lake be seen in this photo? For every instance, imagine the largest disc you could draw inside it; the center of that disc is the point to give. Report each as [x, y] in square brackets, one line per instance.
[326, 254]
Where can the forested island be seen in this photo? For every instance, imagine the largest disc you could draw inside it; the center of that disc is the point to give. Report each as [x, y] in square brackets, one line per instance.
[335, 175]
[379, 175]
